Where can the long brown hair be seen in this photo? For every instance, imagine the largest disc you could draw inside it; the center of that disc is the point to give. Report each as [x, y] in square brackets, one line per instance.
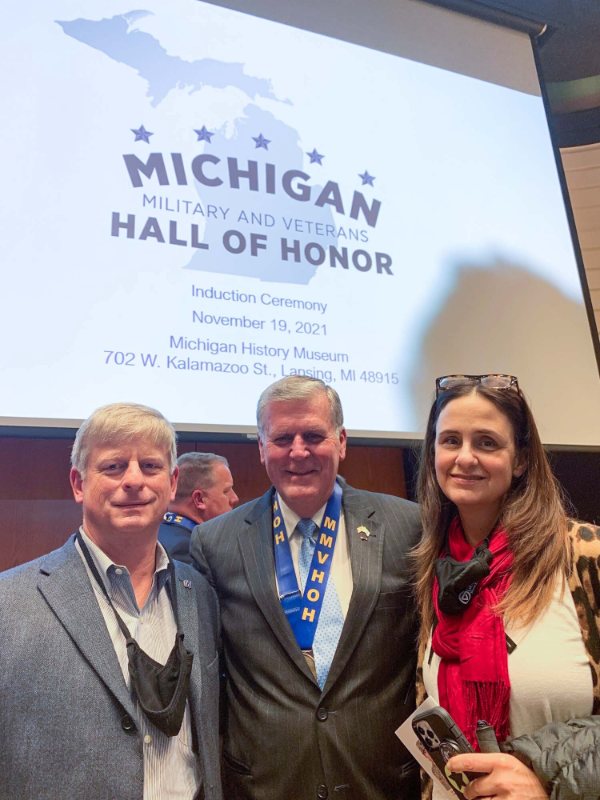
[532, 513]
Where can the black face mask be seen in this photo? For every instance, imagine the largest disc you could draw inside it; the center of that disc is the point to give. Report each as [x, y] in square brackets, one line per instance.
[161, 690]
[458, 580]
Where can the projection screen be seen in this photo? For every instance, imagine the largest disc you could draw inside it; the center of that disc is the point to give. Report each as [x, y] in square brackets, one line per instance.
[199, 201]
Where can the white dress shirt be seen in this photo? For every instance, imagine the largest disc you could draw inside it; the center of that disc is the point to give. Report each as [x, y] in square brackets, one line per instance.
[341, 570]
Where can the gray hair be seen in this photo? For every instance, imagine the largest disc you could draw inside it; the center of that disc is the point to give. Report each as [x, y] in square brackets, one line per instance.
[117, 422]
[299, 387]
[196, 471]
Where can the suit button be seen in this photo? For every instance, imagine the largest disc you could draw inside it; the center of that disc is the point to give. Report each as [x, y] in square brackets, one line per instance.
[322, 715]
[322, 791]
[128, 724]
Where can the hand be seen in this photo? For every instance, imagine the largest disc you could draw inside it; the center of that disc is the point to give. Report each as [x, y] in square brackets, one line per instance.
[506, 777]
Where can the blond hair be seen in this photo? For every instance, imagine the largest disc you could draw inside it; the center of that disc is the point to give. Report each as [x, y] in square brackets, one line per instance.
[119, 422]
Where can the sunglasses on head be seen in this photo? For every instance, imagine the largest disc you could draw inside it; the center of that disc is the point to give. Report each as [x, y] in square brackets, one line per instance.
[490, 381]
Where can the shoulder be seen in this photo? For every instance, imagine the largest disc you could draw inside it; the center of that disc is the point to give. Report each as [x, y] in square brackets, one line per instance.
[18, 578]
[388, 503]
[219, 536]
[187, 573]
[201, 586]
[29, 572]
[584, 584]
[19, 586]
[585, 539]
[584, 574]
[399, 517]
[165, 529]
[236, 518]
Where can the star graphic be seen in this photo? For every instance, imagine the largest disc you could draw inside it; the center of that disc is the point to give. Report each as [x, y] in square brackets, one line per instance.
[315, 157]
[261, 141]
[203, 134]
[141, 134]
[366, 178]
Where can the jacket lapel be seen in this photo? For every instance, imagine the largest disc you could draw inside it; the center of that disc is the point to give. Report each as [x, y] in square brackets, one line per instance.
[256, 546]
[65, 584]
[187, 610]
[365, 536]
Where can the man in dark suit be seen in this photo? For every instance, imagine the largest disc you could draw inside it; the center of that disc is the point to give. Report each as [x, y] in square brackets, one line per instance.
[204, 490]
[86, 710]
[318, 621]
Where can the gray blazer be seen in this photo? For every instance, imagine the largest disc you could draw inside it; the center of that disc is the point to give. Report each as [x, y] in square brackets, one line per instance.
[66, 716]
[284, 739]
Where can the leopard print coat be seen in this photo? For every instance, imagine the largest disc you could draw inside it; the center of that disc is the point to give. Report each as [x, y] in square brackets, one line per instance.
[584, 584]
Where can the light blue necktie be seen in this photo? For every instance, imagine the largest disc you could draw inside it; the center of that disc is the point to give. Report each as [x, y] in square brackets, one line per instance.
[331, 619]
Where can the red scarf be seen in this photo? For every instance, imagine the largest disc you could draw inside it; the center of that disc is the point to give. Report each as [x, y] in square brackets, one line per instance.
[473, 680]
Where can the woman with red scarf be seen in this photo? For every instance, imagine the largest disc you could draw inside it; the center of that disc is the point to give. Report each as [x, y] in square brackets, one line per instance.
[499, 584]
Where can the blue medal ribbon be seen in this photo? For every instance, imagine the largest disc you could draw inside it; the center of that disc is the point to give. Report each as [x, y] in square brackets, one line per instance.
[303, 610]
[171, 518]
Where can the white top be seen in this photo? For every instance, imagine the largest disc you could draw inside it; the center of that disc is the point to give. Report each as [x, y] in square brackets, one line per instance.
[341, 569]
[549, 671]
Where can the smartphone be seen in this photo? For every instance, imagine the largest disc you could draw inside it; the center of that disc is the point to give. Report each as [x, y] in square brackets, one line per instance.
[442, 738]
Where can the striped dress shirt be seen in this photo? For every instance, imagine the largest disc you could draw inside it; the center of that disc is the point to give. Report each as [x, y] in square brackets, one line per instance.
[170, 765]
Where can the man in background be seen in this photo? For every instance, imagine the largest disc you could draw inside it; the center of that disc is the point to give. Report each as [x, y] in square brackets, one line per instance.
[318, 620]
[86, 711]
[204, 490]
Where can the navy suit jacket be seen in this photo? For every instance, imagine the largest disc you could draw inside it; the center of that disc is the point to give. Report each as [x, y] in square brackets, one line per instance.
[176, 541]
[284, 738]
[66, 715]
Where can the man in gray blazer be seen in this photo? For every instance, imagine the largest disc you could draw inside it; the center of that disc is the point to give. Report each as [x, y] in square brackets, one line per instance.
[87, 709]
[318, 621]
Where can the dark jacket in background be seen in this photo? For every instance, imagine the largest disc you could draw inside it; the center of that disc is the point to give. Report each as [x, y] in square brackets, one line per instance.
[176, 541]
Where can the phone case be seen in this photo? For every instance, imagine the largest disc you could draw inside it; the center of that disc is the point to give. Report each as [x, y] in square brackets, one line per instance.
[442, 738]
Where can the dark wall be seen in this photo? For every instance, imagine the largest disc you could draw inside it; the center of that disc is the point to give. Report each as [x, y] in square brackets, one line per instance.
[37, 511]
[579, 475]
[577, 472]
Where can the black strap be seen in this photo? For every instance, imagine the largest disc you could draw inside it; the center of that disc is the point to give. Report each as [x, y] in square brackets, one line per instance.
[171, 590]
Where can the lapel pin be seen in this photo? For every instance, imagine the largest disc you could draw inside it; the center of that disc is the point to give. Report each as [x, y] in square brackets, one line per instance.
[187, 583]
[363, 532]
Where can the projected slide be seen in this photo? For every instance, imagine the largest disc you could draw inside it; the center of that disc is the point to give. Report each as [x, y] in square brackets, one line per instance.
[198, 202]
